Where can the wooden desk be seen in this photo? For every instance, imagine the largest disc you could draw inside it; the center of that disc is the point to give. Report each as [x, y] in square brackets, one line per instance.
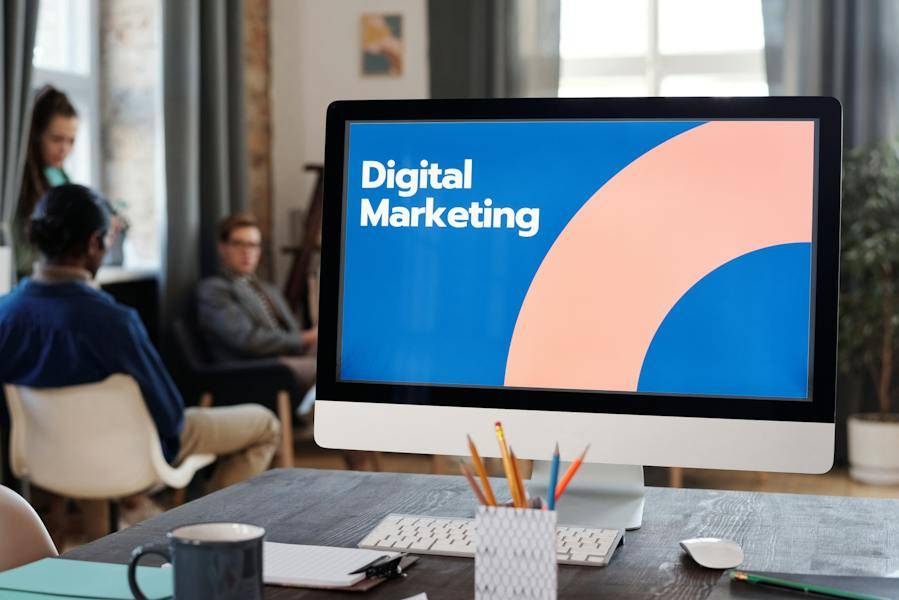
[783, 532]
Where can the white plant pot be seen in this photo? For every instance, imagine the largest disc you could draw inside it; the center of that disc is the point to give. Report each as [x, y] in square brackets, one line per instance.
[874, 449]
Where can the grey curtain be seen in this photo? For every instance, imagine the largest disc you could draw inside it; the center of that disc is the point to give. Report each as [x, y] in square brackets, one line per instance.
[493, 48]
[19, 22]
[205, 145]
[848, 49]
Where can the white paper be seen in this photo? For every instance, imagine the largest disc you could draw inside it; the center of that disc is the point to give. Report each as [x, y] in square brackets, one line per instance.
[314, 566]
[421, 596]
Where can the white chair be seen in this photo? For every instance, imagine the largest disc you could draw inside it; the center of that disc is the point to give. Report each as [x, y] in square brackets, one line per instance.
[92, 442]
[23, 537]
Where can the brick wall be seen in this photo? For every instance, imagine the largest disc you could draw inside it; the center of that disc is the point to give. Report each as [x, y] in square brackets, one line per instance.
[129, 84]
[130, 54]
[256, 79]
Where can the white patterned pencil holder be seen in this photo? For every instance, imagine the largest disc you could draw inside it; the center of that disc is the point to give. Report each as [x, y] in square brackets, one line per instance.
[515, 554]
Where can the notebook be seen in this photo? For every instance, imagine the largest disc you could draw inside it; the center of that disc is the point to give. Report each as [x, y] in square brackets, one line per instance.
[882, 587]
[62, 578]
[314, 566]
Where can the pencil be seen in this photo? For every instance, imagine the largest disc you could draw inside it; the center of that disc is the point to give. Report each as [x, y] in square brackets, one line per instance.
[553, 479]
[507, 464]
[522, 497]
[482, 472]
[474, 484]
[570, 473]
[807, 588]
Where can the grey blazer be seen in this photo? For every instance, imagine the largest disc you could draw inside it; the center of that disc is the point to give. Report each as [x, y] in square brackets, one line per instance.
[235, 324]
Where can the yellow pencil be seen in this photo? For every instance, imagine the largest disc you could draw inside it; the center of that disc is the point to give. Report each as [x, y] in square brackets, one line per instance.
[482, 472]
[507, 463]
[474, 486]
[522, 496]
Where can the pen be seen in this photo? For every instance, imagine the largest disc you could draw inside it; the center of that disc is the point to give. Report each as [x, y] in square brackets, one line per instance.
[386, 566]
[482, 472]
[471, 482]
[570, 473]
[808, 588]
[507, 464]
[519, 484]
[553, 479]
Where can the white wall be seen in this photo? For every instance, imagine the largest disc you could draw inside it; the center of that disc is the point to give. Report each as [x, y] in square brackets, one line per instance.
[316, 59]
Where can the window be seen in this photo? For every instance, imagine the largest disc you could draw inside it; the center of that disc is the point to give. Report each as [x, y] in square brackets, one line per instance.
[662, 48]
[66, 56]
[108, 54]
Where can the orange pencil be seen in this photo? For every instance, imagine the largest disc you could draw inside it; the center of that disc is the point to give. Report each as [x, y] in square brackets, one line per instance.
[560, 489]
[507, 463]
[522, 496]
[474, 485]
[482, 472]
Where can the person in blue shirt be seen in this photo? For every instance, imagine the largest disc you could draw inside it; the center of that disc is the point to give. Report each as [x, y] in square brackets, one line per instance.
[57, 329]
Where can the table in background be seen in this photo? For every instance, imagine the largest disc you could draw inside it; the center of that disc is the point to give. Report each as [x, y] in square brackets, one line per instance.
[779, 532]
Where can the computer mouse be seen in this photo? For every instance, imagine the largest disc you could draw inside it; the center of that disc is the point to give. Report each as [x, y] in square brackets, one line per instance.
[714, 553]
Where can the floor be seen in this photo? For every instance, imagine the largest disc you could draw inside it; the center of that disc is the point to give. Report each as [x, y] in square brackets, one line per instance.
[308, 455]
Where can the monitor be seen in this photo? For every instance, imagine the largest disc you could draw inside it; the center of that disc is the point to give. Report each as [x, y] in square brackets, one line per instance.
[655, 277]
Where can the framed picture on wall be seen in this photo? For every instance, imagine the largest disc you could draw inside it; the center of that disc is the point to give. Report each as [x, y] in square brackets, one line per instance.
[382, 44]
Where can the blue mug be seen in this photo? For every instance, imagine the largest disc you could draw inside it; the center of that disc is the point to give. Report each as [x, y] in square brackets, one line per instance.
[211, 561]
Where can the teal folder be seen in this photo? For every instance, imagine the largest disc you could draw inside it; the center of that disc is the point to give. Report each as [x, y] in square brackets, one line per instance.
[58, 578]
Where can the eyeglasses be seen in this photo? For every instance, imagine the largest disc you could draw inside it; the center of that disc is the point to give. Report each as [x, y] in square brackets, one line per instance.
[245, 245]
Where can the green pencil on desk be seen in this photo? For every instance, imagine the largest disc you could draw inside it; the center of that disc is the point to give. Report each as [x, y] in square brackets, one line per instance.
[808, 588]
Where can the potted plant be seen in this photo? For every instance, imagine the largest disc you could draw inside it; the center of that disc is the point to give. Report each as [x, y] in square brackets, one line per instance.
[869, 304]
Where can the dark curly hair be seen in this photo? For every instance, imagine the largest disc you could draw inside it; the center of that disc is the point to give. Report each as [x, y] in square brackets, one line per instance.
[64, 220]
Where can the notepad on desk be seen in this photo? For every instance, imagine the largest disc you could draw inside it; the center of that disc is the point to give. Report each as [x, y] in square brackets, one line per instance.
[315, 566]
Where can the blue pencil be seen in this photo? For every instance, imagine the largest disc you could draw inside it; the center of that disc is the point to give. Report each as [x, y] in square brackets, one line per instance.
[553, 479]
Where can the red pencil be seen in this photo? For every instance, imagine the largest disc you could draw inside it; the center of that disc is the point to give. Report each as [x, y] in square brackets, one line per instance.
[560, 489]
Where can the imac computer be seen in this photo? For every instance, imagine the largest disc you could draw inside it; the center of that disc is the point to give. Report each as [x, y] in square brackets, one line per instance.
[655, 277]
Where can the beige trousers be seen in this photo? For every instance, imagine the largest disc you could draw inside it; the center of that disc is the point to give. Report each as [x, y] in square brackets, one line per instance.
[244, 437]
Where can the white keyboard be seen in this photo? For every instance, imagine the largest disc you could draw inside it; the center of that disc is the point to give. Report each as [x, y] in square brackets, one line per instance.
[455, 537]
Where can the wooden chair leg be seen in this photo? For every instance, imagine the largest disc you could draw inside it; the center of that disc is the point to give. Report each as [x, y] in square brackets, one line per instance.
[58, 522]
[206, 400]
[285, 415]
[97, 518]
[676, 477]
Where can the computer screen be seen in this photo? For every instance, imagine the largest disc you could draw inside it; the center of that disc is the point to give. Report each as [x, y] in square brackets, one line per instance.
[644, 256]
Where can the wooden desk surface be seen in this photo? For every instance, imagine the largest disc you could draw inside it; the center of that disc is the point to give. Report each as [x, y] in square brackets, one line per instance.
[779, 532]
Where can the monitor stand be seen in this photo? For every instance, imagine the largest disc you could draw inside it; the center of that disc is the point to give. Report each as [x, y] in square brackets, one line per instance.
[598, 496]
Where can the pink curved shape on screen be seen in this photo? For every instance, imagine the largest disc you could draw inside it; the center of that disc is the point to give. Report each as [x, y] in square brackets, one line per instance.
[672, 216]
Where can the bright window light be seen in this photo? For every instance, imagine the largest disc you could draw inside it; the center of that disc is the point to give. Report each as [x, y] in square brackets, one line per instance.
[65, 57]
[662, 47]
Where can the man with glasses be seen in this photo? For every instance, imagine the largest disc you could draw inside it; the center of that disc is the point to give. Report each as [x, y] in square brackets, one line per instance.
[242, 317]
